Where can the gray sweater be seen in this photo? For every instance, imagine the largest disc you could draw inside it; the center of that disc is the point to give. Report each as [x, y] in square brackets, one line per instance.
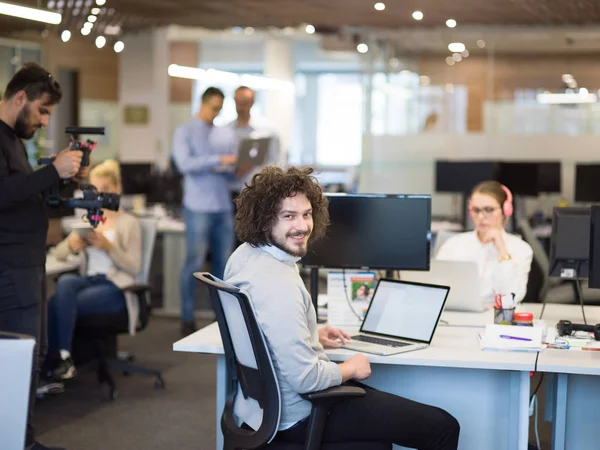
[271, 280]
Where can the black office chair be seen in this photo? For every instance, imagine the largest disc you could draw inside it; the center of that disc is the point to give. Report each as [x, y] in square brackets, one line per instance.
[96, 335]
[260, 383]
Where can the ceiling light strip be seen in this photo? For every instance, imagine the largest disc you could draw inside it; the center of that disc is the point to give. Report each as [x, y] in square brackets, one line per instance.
[220, 76]
[25, 12]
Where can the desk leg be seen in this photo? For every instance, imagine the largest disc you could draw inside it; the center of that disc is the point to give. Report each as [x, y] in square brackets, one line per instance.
[519, 415]
[221, 394]
[559, 422]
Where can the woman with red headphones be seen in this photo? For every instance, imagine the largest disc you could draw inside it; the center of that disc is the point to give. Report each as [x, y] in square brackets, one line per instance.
[504, 259]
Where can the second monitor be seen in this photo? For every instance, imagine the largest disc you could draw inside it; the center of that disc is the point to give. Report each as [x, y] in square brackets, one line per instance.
[570, 242]
[376, 232]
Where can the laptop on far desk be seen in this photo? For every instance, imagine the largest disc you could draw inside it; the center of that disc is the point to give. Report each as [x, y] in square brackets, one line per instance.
[462, 277]
[402, 317]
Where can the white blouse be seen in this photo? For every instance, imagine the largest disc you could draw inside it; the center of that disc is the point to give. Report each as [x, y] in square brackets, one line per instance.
[99, 262]
[497, 277]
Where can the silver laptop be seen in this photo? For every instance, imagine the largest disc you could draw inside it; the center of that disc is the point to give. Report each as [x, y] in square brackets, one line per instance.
[402, 317]
[253, 151]
[463, 279]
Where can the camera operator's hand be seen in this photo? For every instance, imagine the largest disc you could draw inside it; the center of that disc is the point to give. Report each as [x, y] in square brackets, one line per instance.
[99, 241]
[67, 163]
[76, 243]
[83, 173]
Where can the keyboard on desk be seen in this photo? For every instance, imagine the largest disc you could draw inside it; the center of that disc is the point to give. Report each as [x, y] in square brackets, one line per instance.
[380, 341]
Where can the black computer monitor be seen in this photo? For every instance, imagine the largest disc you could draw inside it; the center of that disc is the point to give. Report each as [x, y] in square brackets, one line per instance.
[376, 232]
[586, 183]
[137, 179]
[594, 275]
[522, 178]
[462, 176]
[570, 242]
[549, 177]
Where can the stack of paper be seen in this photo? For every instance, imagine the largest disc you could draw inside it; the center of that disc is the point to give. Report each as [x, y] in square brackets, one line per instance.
[512, 338]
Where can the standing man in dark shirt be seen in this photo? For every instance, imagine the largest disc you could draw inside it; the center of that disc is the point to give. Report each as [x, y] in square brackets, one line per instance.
[27, 102]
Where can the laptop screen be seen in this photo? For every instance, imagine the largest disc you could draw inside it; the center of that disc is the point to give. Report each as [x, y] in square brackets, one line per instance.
[405, 310]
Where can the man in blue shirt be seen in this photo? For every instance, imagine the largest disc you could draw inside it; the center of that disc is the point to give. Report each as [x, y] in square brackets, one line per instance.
[205, 155]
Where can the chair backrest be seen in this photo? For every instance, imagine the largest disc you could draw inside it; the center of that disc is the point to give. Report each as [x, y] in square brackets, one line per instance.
[15, 377]
[441, 237]
[540, 257]
[249, 366]
[148, 226]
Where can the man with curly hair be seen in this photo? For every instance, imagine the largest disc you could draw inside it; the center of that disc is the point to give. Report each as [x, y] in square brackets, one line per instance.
[279, 214]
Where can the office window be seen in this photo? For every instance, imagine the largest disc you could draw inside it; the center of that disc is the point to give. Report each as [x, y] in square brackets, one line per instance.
[339, 119]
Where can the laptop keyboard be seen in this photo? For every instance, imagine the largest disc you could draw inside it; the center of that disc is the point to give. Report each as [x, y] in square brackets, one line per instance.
[380, 341]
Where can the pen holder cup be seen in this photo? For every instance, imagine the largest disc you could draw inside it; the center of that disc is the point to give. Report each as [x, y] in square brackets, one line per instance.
[504, 316]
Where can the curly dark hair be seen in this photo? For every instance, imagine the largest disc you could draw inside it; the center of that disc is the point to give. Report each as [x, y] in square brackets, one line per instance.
[259, 203]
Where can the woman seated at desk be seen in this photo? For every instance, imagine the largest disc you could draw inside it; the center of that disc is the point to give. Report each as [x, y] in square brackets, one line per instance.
[504, 259]
[111, 258]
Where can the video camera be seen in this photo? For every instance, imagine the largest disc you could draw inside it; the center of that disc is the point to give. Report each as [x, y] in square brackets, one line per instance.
[93, 201]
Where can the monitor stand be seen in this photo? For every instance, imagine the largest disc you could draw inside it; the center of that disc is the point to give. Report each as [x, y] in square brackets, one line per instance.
[578, 296]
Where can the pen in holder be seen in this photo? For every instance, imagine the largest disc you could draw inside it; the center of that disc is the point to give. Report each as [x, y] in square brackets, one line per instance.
[504, 316]
[504, 309]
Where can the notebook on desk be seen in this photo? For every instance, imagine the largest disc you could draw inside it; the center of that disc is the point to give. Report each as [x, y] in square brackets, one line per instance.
[402, 317]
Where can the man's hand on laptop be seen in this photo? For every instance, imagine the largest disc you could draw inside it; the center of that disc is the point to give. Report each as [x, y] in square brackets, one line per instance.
[356, 368]
[228, 160]
[331, 337]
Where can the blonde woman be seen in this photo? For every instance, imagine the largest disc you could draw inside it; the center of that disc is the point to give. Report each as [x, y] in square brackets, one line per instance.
[111, 260]
[504, 259]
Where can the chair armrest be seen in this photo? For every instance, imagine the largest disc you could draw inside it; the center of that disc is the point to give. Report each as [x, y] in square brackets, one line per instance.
[137, 288]
[335, 393]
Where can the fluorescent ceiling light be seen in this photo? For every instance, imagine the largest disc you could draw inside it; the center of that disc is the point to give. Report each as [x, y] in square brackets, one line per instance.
[563, 99]
[25, 12]
[229, 78]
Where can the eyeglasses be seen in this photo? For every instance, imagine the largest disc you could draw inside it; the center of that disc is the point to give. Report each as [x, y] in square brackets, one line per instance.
[487, 211]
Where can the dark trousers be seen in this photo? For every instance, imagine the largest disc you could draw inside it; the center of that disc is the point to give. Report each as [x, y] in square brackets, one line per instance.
[78, 296]
[23, 310]
[383, 417]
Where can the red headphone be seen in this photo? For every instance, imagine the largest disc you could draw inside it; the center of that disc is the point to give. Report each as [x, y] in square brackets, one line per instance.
[507, 206]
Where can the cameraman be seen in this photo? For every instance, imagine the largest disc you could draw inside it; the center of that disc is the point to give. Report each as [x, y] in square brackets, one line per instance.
[27, 102]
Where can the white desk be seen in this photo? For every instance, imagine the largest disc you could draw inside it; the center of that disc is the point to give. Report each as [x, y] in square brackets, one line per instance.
[488, 392]
[572, 385]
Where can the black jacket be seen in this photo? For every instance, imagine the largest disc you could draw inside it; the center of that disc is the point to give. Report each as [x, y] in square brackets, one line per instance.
[23, 219]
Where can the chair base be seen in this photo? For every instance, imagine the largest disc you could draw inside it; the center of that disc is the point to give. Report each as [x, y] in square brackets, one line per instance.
[334, 446]
[102, 350]
[105, 375]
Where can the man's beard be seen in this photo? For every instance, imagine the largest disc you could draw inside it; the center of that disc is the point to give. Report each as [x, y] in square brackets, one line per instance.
[22, 128]
[293, 251]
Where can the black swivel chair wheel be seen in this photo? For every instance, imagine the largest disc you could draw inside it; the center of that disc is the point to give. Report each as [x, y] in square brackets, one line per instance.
[159, 383]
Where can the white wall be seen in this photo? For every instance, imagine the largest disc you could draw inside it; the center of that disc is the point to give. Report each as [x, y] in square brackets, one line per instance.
[107, 114]
[406, 164]
[143, 80]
